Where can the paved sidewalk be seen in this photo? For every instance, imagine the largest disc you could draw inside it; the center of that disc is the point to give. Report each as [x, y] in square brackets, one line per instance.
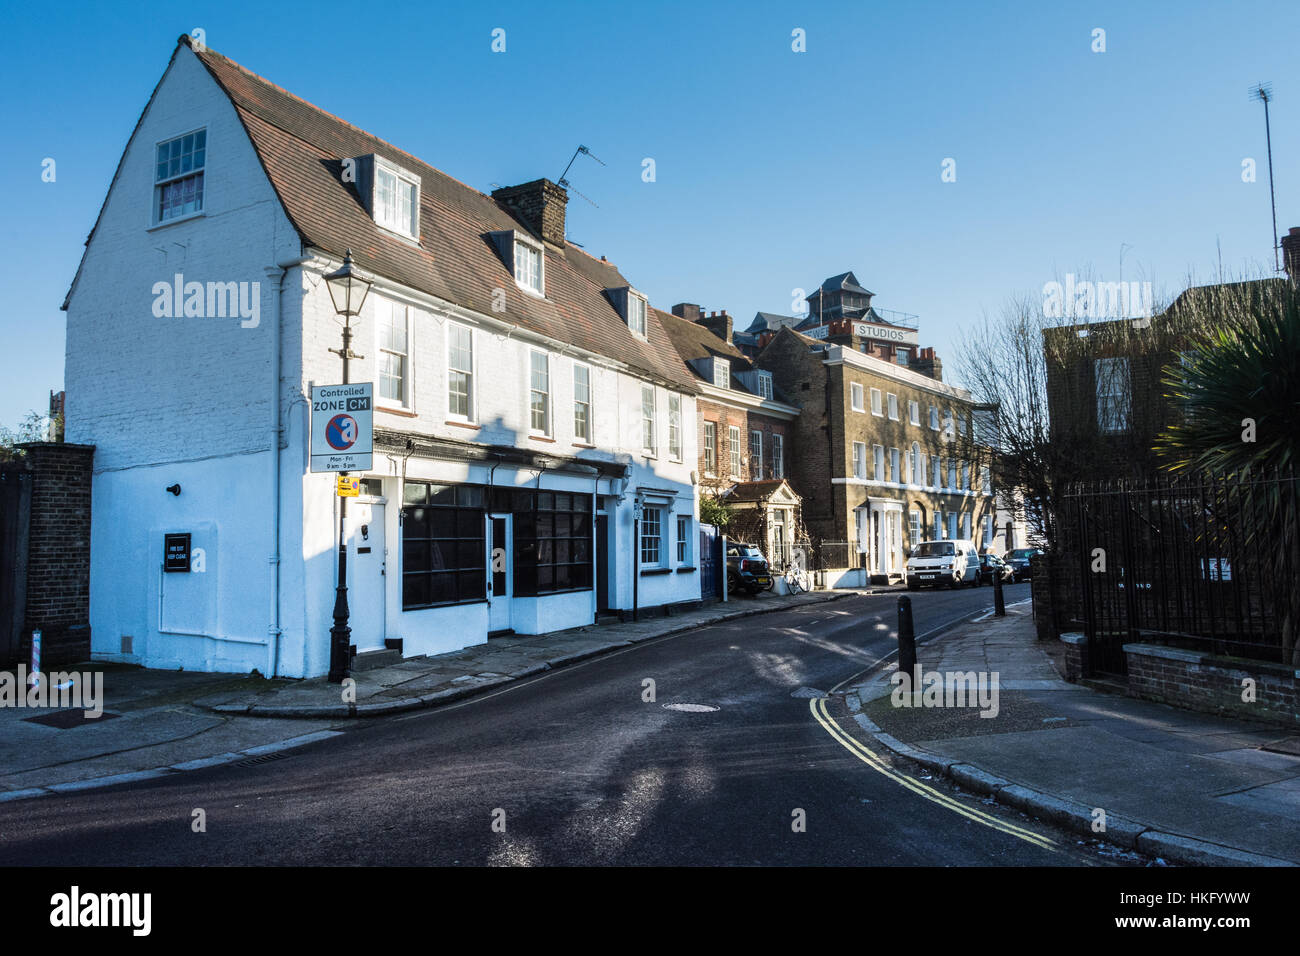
[157, 723]
[1186, 787]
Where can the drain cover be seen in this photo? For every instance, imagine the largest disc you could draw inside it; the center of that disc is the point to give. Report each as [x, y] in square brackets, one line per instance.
[261, 759]
[691, 708]
[807, 693]
[68, 719]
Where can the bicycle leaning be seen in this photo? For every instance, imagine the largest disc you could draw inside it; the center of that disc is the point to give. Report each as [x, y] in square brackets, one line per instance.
[797, 579]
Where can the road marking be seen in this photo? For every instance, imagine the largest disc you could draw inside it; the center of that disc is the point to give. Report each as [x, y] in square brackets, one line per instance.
[872, 760]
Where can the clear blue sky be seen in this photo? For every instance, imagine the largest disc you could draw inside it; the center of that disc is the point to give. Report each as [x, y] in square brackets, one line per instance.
[774, 169]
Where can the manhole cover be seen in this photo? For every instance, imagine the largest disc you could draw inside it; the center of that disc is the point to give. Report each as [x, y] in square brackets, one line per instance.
[691, 708]
[68, 719]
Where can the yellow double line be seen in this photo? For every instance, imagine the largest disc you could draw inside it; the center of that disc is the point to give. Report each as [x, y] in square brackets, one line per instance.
[818, 707]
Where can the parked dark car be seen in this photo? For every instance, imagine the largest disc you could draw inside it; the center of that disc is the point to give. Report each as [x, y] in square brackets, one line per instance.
[991, 566]
[747, 569]
[1018, 560]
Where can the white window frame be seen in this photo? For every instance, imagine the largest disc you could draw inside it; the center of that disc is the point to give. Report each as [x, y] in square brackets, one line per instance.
[914, 412]
[411, 228]
[734, 451]
[765, 385]
[684, 536]
[710, 430]
[674, 426]
[986, 479]
[778, 455]
[755, 454]
[914, 526]
[936, 471]
[649, 423]
[582, 372]
[877, 408]
[895, 465]
[159, 182]
[638, 310]
[878, 462]
[522, 280]
[404, 402]
[470, 402]
[892, 403]
[860, 460]
[856, 398]
[533, 391]
[934, 418]
[721, 373]
[652, 515]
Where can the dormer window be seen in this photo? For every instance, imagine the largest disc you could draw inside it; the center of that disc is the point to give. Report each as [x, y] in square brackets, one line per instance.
[721, 373]
[524, 258]
[765, 384]
[391, 194]
[636, 306]
[528, 266]
[631, 307]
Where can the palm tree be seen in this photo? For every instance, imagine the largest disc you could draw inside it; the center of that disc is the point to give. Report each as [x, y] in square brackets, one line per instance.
[1238, 388]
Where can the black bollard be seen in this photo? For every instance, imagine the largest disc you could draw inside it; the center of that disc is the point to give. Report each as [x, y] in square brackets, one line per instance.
[999, 605]
[906, 640]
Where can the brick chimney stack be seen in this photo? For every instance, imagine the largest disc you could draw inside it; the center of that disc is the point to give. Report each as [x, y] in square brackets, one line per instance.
[688, 311]
[719, 323]
[540, 206]
[1291, 253]
[927, 363]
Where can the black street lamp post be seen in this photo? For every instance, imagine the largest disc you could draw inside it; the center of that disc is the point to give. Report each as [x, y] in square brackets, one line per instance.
[348, 292]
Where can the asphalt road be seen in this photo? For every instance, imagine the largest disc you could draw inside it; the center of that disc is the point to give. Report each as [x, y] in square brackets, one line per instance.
[576, 768]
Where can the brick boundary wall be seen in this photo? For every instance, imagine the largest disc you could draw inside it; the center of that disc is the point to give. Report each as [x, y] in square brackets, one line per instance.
[58, 555]
[1213, 684]
[1076, 656]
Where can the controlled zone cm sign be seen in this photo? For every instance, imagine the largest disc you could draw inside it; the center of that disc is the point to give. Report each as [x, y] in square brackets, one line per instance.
[342, 427]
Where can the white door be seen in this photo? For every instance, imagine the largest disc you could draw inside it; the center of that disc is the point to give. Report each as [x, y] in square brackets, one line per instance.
[366, 569]
[500, 573]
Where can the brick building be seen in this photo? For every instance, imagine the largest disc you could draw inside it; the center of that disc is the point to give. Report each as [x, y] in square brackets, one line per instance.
[1106, 392]
[45, 498]
[875, 453]
[744, 427]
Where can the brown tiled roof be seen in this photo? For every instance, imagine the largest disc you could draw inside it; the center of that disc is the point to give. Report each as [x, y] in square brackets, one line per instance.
[694, 341]
[302, 148]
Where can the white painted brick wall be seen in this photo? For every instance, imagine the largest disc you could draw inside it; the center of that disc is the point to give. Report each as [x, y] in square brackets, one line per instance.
[144, 389]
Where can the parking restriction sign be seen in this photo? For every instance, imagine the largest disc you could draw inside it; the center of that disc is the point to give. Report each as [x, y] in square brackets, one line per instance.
[342, 427]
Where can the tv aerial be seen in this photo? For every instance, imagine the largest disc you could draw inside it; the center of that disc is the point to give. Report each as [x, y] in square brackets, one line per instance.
[564, 183]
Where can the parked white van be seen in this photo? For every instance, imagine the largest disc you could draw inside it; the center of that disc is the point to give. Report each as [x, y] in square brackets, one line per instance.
[944, 564]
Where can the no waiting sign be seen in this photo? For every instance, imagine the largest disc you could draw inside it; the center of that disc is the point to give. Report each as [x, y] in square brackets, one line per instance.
[342, 427]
